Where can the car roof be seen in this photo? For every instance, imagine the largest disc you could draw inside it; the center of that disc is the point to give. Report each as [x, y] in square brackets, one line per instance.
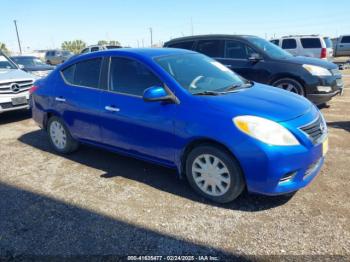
[198, 37]
[146, 52]
[149, 53]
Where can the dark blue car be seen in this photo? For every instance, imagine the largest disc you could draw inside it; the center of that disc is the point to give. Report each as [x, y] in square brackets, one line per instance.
[184, 110]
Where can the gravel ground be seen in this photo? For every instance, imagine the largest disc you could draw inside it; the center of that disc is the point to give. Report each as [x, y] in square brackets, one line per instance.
[95, 202]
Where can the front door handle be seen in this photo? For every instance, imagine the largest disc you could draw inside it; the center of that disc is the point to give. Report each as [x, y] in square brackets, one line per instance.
[60, 99]
[112, 109]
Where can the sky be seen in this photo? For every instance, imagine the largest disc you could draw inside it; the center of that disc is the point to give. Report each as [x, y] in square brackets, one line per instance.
[44, 24]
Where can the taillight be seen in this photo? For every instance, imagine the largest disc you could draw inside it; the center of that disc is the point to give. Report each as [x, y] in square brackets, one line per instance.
[33, 89]
[324, 53]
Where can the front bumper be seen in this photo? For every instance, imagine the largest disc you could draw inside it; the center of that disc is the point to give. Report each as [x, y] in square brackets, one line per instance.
[276, 170]
[335, 83]
[6, 103]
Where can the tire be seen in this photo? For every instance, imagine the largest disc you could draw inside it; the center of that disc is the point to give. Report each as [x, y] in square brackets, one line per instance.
[60, 137]
[228, 180]
[291, 85]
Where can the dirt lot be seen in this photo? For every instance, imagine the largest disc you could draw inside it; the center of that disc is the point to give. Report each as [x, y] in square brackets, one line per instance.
[95, 202]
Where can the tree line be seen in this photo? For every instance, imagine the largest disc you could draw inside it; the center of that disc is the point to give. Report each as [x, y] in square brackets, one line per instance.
[76, 46]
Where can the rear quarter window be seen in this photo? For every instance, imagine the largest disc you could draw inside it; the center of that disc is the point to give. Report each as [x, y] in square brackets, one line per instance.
[310, 42]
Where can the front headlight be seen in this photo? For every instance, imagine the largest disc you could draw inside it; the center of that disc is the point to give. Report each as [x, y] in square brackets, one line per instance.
[317, 70]
[265, 130]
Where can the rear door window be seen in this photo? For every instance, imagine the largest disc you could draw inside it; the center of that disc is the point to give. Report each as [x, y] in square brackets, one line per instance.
[212, 48]
[183, 45]
[310, 42]
[85, 73]
[289, 44]
[345, 40]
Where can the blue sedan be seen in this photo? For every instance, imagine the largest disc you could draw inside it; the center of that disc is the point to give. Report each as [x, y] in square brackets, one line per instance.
[184, 110]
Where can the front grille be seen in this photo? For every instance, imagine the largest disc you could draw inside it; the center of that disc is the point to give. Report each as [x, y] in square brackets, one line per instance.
[24, 85]
[315, 130]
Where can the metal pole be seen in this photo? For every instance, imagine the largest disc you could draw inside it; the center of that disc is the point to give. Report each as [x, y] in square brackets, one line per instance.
[19, 42]
[151, 32]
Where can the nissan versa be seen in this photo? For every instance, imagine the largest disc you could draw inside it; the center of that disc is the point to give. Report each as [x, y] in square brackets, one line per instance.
[186, 111]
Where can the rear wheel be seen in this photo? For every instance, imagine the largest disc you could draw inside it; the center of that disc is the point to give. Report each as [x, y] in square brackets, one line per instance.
[214, 174]
[60, 138]
[290, 85]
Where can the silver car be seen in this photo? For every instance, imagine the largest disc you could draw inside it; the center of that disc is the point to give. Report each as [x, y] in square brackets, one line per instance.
[306, 45]
[55, 57]
[14, 86]
[342, 46]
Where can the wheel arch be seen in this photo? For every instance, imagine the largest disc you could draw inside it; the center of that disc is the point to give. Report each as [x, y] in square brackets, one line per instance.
[279, 76]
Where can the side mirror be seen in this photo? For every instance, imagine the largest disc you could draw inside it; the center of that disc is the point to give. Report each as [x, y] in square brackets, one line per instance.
[255, 57]
[156, 93]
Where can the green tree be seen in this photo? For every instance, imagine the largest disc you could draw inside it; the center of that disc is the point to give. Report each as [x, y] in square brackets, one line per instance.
[104, 42]
[4, 49]
[74, 46]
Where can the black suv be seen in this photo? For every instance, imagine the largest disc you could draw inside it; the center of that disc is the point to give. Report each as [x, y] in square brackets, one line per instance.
[259, 60]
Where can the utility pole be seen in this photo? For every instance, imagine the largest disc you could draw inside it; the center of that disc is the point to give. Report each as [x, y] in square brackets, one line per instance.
[151, 32]
[191, 26]
[19, 42]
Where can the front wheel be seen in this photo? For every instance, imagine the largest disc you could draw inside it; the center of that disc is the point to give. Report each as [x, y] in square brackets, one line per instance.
[60, 138]
[290, 85]
[214, 174]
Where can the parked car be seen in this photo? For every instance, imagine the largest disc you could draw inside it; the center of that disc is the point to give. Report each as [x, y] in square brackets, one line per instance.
[259, 60]
[342, 47]
[186, 111]
[306, 45]
[95, 48]
[55, 57]
[14, 85]
[33, 65]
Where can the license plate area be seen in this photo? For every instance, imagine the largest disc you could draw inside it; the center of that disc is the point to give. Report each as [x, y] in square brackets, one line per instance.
[325, 147]
[22, 100]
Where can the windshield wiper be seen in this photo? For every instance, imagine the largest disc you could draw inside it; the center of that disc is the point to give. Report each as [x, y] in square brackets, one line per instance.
[207, 93]
[245, 85]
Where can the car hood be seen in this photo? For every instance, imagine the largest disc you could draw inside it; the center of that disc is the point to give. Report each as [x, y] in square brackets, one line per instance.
[14, 74]
[39, 68]
[263, 101]
[300, 60]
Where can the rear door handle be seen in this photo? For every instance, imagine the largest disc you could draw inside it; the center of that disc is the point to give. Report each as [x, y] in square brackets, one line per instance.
[60, 99]
[112, 108]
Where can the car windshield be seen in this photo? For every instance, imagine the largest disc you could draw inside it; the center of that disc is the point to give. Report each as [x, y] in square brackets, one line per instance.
[269, 48]
[200, 74]
[328, 42]
[28, 61]
[6, 64]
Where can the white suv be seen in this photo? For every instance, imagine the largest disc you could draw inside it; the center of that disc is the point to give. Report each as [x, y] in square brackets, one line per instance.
[14, 86]
[306, 45]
